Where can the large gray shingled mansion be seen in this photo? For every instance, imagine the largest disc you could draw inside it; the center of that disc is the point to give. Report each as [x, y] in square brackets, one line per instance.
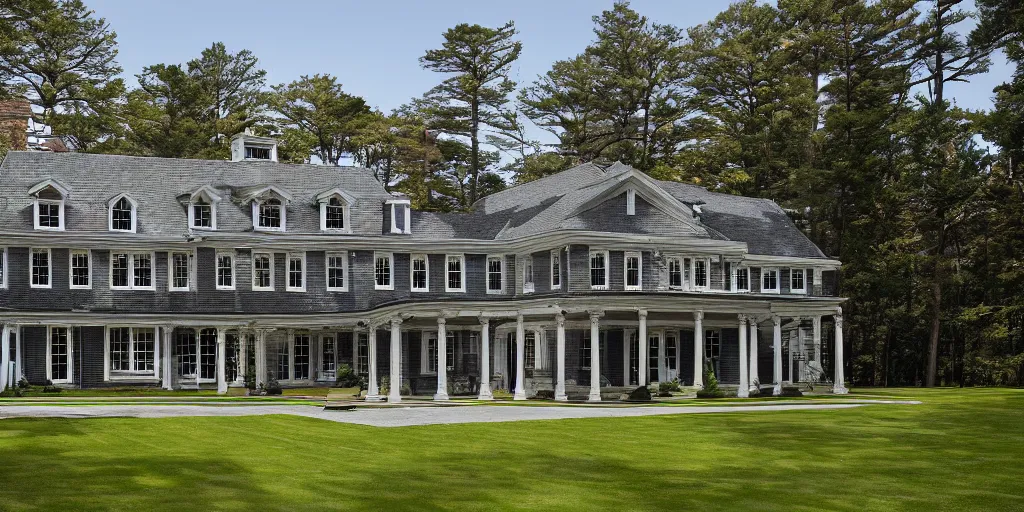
[120, 271]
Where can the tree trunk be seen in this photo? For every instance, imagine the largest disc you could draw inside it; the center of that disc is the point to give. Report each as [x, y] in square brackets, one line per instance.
[474, 167]
[933, 342]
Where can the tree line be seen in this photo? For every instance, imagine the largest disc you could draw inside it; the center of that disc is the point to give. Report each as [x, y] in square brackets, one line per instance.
[836, 109]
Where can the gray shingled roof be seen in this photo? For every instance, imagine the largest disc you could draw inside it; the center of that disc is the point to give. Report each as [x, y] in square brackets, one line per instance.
[156, 184]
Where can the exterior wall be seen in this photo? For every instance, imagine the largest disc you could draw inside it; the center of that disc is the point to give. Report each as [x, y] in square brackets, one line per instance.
[686, 357]
[729, 363]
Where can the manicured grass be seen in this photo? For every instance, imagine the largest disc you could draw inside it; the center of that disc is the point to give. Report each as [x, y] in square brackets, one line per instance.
[960, 450]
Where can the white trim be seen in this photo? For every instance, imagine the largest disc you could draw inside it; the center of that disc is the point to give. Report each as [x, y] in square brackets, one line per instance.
[462, 272]
[131, 270]
[346, 207]
[253, 265]
[283, 205]
[590, 270]
[216, 271]
[500, 258]
[798, 291]
[735, 271]
[778, 276]
[344, 275]
[391, 270]
[556, 258]
[426, 260]
[682, 272]
[170, 271]
[49, 182]
[639, 270]
[49, 268]
[630, 201]
[192, 216]
[70, 354]
[130, 374]
[60, 214]
[4, 269]
[527, 263]
[134, 212]
[71, 269]
[301, 257]
[693, 274]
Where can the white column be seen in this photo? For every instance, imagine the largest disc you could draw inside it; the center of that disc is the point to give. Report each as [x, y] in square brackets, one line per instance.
[839, 385]
[560, 357]
[641, 338]
[520, 392]
[442, 360]
[753, 356]
[485, 360]
[222, 383]
[395, 390]
[698, 349]
[777, 349]
[242, 361]
[5, 356]
[258, 347]
[626, 334]
[662, 364]
[372, 389]
[743, 391]
[19, 357]
[595, 357]
[795, 348]
[816, 337]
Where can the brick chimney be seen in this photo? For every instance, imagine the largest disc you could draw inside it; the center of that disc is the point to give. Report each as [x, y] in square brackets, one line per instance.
[14, 115]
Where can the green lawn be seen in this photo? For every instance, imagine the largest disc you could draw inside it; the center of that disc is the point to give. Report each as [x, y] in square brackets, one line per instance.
[960, 450]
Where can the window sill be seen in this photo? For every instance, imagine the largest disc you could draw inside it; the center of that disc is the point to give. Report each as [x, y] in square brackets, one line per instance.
[139, 377]
[178, 290]
[43, 228]
[74, 287]
[225, 288]
[338, 290]
[40, 287]
[384, 288]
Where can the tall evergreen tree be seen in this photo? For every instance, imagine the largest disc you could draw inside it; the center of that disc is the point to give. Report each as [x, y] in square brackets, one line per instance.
[317, 115]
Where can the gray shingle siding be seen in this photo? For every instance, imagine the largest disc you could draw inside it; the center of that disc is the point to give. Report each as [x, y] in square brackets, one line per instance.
[729, 363]
[33, 344]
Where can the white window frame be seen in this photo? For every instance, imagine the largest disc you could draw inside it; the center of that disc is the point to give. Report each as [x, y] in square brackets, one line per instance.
[216, 271]
[736, 269]
[462, 272]
[109, 372]
[590, 270]
[131, 270]
[71, 268]
[802, 290]
[49, 268]
[428, 357]
[500, 258]
[345, 211]
[391, 270]
[49, 354]
[556, 269]
[680, 261]
[256, 203]
[190, 257]
[412, 282]
[778, 284]
[707, 274]
[630, 201]
[639, 271]
[343, 256]
[406, 216]
[4, 269]
[60, 214]
[110, 214]
[253, 264]
[529, 279]
[301, 257]
[192, 215]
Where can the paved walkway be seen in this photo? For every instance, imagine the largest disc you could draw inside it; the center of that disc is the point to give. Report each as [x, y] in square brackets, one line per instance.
[402, 417]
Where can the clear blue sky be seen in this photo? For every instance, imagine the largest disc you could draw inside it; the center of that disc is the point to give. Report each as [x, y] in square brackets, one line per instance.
[373, 46]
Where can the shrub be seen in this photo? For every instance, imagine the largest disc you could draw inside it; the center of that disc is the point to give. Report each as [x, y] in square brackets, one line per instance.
[640, 394]
[711, 389]
[250, 377]
[346, 378]
[272, 387]
[12, 392]
[51, 389]
[545, 394]
[791, 391]
[23, 383]
[668, 387]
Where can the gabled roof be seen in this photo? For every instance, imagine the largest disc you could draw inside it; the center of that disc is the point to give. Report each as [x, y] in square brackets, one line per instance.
[205, 190]
[255, 192]
[326, 195]
[61, 188]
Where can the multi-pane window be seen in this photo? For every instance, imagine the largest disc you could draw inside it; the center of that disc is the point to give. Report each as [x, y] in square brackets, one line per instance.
[700, 273]
[60, 354]
[528, 274]
[670, 351]
[652, 357]
[599, 270]
[301, 358]
[130, 270]
[334, 214]
[283, 363]
[337, 270]
[530, 350]
[40, 268]
[796, 280]
[202, 215]
[495, 274]
[49, 214]
[769, 280]
[675, 273]
[262, 271]
[419, 278]
[585, 352]
[81, 266]
[712, 344]
[382, 272]
[225, 272]
[133, 351]
[257, 153]
[121, 215]
[185, 348]
[741, 279]
[430, 353]
[449, 351]
[270, 214]
[362, 353]
[208, 354]
[556, 269]
[296, 272]
[455, 282]
[632, 265]
[181, 271]
[328, 365]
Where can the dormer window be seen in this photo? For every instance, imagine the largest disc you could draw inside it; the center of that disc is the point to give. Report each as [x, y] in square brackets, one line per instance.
[248, 147]
[401, 216]
[202, 208]
[269, 208]
[122, 214]
[202, 215]
[270, 214]
[334, 214]
[48, 208]
[334, 210]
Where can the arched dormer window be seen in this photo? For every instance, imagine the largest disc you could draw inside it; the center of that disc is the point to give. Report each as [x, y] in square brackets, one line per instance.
[122, 214]
[335, 211]
[48, 207]
[269, 207]
[202, 209]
